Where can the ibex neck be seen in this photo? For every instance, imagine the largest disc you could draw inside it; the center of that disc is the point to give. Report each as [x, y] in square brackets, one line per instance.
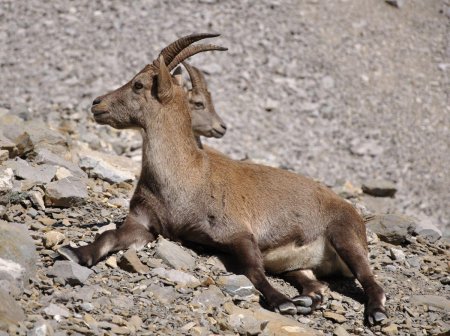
[170, 156]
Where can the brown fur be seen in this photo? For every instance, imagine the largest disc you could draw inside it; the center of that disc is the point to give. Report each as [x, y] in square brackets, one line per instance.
[240, 208]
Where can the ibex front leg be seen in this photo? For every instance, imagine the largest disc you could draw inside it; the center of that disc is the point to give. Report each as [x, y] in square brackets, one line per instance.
[250, 263]
[132, 233]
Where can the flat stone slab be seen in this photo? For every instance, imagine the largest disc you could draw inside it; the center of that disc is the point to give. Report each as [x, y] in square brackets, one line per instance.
[174, 255]
[69, 272]
[67, 192]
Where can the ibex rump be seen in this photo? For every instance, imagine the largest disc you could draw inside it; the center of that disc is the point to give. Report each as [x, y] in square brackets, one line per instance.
[264, 217]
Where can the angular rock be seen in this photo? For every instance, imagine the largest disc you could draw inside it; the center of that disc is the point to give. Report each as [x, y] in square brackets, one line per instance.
[163, 294]
[69, 272]
[174, 255]
[106, 167]
[212, 297]
[130, 262]
[56, 310]
[379, 188]
[426, 229]
[397, 254]
[178, 277]
[67, 192]
[37, 199]
[270, 323]
[392, 228]
[42, 328]
[17, 257]
[395, 3]
[36, 132]
[334, 317]
[436, 301]
[390, 330]
[340, 331]
[46, 156]
[10, 311]
[62, 172]
[53, 238]
[40, 174]
[238, 286]
[111, 262]
[6, 179]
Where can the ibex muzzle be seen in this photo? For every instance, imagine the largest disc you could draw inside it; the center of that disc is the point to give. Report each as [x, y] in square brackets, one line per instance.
[263, 217]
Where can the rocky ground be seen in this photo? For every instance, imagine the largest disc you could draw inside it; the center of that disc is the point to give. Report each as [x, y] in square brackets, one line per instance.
[354, 94]
[55, 189]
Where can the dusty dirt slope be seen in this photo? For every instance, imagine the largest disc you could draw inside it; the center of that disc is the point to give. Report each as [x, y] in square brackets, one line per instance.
[333, 89]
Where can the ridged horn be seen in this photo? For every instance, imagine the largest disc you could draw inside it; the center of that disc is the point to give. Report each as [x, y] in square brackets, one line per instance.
[176, 47]
[195, 75]
[191, 51]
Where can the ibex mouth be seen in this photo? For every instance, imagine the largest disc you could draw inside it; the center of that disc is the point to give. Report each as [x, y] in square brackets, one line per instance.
[99, 113]
[217, 133]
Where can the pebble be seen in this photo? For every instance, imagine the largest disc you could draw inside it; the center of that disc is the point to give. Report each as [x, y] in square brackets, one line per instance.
[397, 254]
[111, 262]
[390, 330]
[130, 262]
[237, 286]
[55, 310]
[53, 238]
[340, 331]
[379, 188]
[334, 317]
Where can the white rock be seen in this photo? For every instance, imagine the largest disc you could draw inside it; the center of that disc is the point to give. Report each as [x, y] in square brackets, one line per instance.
[6, 179]
[62, 172]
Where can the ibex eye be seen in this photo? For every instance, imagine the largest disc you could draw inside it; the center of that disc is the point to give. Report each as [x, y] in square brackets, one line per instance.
[138, 85]
[199, 105]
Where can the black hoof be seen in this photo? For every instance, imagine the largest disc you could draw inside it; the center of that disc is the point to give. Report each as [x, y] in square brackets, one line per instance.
[287, 308]
[377, 316]
[68, 253]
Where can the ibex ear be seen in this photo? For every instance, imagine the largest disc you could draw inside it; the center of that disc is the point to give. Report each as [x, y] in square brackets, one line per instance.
[165, 89]
[178, 76]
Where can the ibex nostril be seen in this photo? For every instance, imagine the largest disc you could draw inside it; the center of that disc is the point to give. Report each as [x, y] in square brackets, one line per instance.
[223, 126]
[97, 101]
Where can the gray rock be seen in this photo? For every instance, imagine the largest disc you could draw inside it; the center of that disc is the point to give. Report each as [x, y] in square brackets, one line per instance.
[174, 255]
[130, 262]
[108, 227]
[56, 310]
[392, 228]
[53, 238]
[379, 205]
[379, 188]
[177, 277]
[67, 192]
[212, 297]
[41, 328]
[17, 257]
[436, 301]
[269, 322]
[163, 294]
[340, 331]
[108, 171]
[10, 312]
[397, 254]
[69, 272]
[395, 3]
[6, 179]
[426, 229]
[40, 174]
[238, 286]
[46, 156]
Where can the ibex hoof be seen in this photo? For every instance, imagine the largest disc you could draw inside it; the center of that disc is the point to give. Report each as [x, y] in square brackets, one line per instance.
[68, 253]
[303, 304]
[376, 317]
[287, 308]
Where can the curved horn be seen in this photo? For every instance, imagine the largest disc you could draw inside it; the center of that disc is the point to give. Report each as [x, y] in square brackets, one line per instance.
[191, 51]
[176, 47]
[196, 80]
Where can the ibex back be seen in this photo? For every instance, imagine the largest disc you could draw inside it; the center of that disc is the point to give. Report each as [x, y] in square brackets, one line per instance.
[263, 217]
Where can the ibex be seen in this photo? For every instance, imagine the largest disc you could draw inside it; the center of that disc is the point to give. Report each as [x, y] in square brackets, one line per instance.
[265, 218]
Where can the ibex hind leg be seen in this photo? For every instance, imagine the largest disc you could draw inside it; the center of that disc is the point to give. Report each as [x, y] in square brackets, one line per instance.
[352, 249]
[312, 290]
[129, 235]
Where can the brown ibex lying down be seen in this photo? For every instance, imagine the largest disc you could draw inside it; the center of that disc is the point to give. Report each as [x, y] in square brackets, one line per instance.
[265, 218]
